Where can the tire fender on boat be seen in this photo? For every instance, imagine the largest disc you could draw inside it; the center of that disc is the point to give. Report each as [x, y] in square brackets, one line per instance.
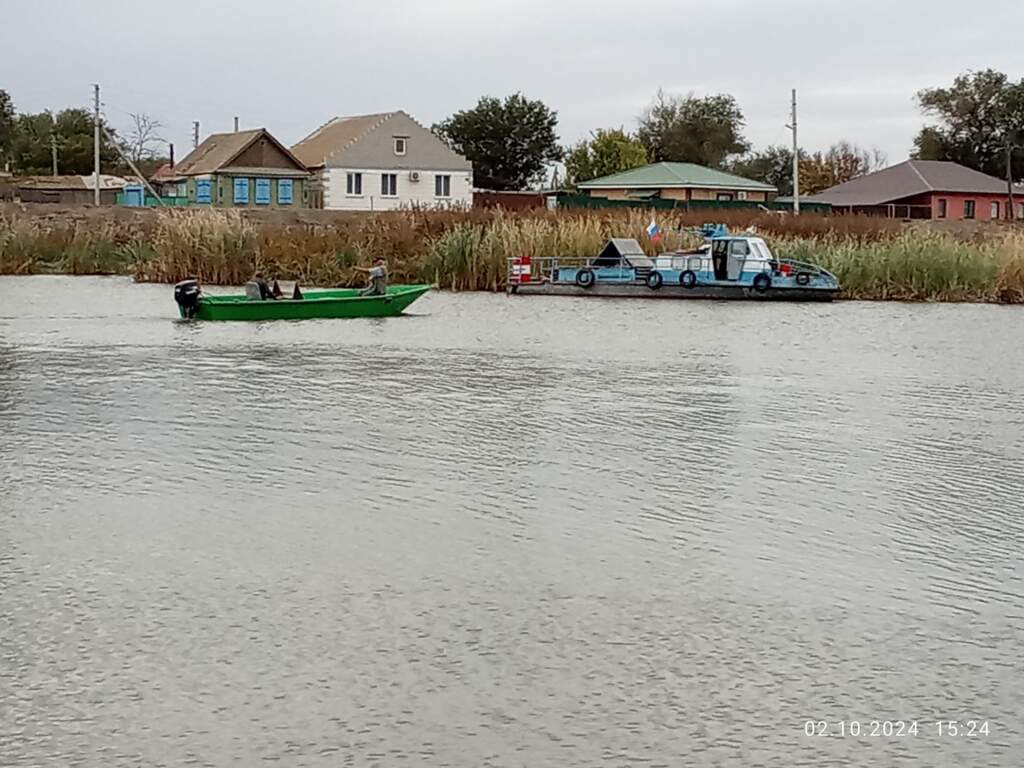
[585, 278]
[688, 279]
[654, 280]
[802, 278]
[762, 282]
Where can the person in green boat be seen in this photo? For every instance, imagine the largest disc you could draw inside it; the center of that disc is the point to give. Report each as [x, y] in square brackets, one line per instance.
[265, 291]
[378, 274]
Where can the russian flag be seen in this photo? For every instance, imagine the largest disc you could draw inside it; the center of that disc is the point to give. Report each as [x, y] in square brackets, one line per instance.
[653, 232]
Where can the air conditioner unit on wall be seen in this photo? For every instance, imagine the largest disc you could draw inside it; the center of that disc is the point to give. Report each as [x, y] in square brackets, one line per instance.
[414, 175]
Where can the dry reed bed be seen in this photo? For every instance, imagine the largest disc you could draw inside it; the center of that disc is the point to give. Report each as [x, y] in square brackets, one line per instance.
[873, 258]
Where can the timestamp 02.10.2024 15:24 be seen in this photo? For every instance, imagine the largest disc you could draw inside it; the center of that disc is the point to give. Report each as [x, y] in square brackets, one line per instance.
[957, 728]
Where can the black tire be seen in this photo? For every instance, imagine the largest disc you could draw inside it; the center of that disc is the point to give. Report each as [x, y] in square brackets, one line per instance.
[688, 279]
[654, 280]
[802, 278]
[585, 278]
[762, 282]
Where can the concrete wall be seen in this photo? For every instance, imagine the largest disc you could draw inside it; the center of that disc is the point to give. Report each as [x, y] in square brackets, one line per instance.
[410, 193]
[955, 205]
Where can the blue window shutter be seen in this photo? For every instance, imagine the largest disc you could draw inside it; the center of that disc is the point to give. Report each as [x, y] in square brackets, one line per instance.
[242, 191]
[203, 191]
[262, 191]
[284, 191]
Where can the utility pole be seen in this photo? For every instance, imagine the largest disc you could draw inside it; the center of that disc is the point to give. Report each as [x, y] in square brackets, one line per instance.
[1009, 177]
[195, 134]
[53, 151]
[96, 144]
[796, 160]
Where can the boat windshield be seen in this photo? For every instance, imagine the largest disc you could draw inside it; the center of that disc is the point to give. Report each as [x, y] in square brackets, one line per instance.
[760, 249]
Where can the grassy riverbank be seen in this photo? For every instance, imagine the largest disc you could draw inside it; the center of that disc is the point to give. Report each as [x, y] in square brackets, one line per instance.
[874, 259]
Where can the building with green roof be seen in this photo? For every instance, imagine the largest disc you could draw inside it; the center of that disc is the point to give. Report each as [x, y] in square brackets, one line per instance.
[677, 181]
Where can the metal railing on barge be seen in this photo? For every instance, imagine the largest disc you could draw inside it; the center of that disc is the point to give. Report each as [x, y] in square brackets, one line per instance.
[539, 269]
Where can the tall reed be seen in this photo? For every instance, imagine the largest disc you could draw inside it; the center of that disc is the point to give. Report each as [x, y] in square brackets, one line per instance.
[873, 258]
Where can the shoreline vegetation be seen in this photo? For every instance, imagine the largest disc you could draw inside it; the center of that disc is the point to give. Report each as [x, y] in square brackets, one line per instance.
[875, 259]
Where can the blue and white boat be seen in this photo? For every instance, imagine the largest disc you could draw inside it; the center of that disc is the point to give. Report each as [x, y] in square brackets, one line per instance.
[725, 267]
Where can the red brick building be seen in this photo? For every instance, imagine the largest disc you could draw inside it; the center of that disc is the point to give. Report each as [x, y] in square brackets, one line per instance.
[924, 189]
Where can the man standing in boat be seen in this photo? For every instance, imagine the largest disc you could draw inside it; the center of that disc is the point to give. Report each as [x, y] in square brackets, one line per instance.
[378, 273]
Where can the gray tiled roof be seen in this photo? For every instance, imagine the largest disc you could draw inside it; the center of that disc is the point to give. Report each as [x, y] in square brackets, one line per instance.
[913, 177]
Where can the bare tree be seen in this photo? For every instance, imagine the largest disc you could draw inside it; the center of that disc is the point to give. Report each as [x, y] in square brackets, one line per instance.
[143, 138]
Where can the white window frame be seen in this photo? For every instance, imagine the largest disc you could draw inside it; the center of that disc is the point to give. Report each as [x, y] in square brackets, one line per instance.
[404, 140]
[439, 180]
[994, 210]
[393, 186]
[353, 184]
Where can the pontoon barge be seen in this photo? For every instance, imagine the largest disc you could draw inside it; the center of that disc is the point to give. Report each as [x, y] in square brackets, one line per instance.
[725, 267]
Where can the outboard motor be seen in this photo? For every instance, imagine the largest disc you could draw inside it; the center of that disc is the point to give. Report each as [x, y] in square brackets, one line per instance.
[186, 294]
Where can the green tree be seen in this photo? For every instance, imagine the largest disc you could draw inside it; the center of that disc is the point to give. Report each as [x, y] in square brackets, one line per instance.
[772, 165]
[978, 115]
[73, 129]
[706, 131]
[8, 121]
[509, 142]
[606, 152]
[841, 163]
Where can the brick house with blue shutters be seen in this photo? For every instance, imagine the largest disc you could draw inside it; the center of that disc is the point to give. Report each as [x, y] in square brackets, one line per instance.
[245, 169]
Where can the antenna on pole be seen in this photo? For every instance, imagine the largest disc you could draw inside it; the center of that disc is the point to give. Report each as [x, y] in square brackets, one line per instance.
[796, 159]
[195, 134]
[236, 123]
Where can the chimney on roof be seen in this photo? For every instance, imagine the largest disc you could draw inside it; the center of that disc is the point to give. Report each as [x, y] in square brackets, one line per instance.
[236, 123]
[170, 152]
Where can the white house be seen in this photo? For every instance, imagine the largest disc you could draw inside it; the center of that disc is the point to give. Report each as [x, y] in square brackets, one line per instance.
[383, 162]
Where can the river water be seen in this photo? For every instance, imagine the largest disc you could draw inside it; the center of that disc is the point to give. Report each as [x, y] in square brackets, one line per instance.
[509, 532]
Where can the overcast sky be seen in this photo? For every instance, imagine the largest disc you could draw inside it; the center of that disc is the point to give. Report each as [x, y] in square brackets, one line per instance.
[290, 66]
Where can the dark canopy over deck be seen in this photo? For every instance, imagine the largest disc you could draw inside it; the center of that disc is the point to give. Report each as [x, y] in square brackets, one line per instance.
[622, 252]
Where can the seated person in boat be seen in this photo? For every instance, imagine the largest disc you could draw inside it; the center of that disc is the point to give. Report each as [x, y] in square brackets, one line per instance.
[265, 290]
[378, 273]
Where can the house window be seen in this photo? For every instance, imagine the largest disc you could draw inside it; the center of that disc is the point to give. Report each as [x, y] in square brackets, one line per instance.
[389, 184]
[400, 142]
[1020, 211]
[994, 213]
[741, 195]
[968, 209]
[241, 191]
[723, 196]
[354, 184]
[942, 208]
[262, 191]
[204, 191]
[442, 186]
[285, 192]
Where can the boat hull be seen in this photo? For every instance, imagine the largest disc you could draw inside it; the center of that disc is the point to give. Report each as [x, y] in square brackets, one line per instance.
[641, 291]
[340, 303]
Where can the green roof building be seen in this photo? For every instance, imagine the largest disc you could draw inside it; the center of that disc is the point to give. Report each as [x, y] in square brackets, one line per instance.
[677, 181]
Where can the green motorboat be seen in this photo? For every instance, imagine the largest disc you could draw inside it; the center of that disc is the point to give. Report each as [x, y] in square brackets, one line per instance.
[341, 302]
